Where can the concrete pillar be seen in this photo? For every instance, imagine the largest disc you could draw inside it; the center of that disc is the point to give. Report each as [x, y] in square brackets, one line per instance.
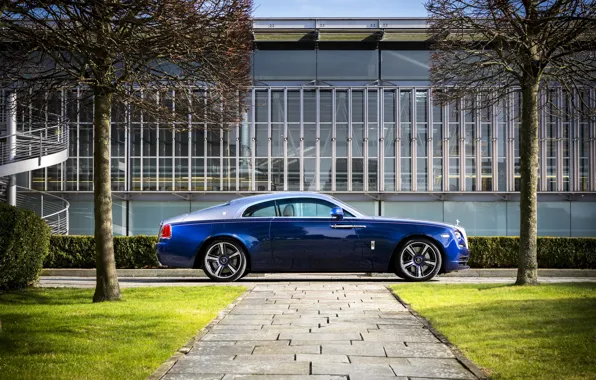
[11, 126]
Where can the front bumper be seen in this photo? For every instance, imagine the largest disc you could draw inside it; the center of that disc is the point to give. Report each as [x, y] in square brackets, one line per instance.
[459, 261]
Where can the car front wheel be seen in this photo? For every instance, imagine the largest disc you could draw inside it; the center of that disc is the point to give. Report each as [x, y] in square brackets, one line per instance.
[224, 261]
[419, 259]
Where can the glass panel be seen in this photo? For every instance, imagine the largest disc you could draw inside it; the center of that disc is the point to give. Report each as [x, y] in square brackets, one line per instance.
[421, 106]
[331, 65]
[198, 174]
[389, 106]
[165, 147]
[454, 156]
[341, 141]
[357, 140]
[293, 106]
[146, 215]
[149, 174]
[165, 174]
[373, 174]
[262, 140]
[478, 218]
[262, 210]
[310, 140]
[357, 174]
[277, 140]
[181, 174]
[357, 107]
[54, 178]
[71, 175]
[277, 106]
[389, 174]
[341, 106]
[213, 174]
[309, 174]
[284, 65]
[325, 106]
[326, 175]
[554, 219]
[261, 180]
[437, 174]
[486, 151]
[294, 173]
[405, 65]
[261, 106]
[118, 174]
[293, 140]
[373, 107]
[277, 174]
[310, 106]
[325, 140]
[341, 170]
[583, 219]
[415, 210]
[422, 154]
[305, 208]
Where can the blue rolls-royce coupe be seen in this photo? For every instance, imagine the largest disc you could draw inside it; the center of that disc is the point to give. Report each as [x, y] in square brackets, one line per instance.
[307, 232]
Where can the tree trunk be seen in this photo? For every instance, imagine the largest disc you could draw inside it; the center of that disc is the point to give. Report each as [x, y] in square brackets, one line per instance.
[107, 287]
[527, 272]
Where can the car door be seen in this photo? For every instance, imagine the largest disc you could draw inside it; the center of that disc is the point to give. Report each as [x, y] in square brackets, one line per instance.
[304, 238]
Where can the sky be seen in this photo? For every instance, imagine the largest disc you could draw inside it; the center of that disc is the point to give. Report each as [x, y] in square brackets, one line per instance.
[339, 8]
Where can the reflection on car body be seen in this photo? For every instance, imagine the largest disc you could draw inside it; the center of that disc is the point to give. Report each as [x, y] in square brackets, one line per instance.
[307, 232]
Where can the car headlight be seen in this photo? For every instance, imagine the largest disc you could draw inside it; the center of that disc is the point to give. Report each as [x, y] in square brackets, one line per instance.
[461, 238]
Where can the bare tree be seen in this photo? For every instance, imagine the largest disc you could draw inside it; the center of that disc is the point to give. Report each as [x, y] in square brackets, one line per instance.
[494, 48]
[131, 52]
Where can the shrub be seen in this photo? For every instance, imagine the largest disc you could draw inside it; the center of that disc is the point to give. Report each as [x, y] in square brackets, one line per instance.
[24, 243]
[553, 252]
[486, 252]
[131, 252]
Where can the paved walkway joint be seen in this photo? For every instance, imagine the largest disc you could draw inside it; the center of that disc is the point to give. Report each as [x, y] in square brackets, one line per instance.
[318, 331]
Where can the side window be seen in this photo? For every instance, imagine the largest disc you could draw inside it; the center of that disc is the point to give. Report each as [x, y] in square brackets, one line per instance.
[261, 210]
[305, 208]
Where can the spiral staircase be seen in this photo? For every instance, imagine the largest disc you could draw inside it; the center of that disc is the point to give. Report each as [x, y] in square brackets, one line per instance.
[25, 147]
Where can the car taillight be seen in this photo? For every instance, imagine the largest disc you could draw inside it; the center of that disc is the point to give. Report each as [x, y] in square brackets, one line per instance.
[166, 232]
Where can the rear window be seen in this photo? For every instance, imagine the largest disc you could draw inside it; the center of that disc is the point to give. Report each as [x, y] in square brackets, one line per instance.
[261, 210]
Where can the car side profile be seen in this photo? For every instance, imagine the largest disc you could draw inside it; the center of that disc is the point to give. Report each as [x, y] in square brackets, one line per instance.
[307, 232]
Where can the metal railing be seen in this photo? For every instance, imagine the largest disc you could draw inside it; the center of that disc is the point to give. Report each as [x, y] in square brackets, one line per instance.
[35, 143]
[51, 208]
[25, 150]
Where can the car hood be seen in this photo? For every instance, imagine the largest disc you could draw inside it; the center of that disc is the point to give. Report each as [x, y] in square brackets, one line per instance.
[420, 222]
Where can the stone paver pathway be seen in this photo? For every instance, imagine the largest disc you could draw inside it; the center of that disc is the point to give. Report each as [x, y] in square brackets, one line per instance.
[318, 331]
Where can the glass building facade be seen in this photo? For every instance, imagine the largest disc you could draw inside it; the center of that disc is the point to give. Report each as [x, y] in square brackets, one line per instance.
[343, 114]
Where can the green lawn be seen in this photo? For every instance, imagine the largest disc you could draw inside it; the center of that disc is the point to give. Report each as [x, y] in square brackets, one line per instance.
[541, 332]
[61, 334]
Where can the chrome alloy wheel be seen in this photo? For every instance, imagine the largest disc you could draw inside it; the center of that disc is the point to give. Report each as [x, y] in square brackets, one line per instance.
[419, 260]
[224, 261]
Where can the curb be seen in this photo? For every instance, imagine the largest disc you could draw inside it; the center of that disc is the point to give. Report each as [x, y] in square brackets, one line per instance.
[459, 356]
[163, 369]
[198, 273]
[182, 273]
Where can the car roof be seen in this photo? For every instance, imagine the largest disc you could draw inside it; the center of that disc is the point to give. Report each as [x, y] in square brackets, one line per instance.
[280, 195]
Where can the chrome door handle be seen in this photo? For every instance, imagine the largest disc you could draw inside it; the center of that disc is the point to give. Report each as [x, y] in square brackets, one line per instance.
[346, 226]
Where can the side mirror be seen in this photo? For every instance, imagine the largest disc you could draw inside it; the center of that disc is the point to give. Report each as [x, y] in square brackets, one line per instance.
[337, 213]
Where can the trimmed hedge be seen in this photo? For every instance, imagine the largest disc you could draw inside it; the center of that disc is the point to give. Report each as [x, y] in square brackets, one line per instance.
[131, 252]
[553, 252]
[486, 252]
[24, 243]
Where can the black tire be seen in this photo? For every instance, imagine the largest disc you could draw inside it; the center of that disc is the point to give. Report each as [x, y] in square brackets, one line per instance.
[418, 259]
[224, 260]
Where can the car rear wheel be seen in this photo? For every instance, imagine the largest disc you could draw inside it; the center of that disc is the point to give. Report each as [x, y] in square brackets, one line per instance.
[224, 261]
[419, 259]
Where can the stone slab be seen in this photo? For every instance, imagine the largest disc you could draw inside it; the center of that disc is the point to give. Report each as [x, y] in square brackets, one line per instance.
[351, 369]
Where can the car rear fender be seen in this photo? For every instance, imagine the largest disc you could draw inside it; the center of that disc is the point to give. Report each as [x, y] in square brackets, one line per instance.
[202, 250]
